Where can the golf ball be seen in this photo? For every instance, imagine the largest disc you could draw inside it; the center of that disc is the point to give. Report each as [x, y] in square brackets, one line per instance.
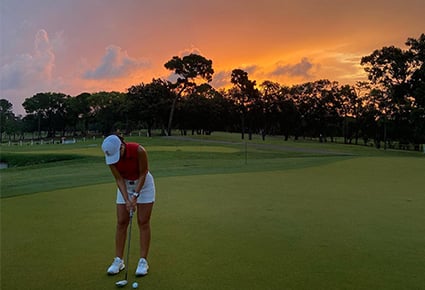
[135, 285]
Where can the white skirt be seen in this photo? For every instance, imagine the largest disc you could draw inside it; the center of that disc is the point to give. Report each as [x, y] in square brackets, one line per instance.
[147, 194]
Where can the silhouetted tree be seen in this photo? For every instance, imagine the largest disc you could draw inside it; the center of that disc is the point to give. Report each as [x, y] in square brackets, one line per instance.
[50, 110]
[7, 118]
[108, 111]
[244, 94]
[150, 103]
[189, 69]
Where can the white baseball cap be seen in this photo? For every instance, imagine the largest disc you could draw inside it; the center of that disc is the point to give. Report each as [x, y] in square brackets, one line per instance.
[111, 147]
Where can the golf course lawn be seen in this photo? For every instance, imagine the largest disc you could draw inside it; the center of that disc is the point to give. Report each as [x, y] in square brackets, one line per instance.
[296, 221]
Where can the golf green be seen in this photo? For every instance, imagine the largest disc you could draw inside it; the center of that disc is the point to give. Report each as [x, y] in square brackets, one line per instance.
[348, 223]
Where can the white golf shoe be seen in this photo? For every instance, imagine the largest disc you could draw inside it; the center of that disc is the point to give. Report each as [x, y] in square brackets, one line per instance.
[142, 267]
[116, 266]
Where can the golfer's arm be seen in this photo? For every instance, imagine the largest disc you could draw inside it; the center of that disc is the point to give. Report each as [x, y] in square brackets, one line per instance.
[120, 182]
[143, 167]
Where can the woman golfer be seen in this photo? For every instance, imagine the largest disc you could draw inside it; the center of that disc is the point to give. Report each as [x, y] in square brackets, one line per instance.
[136, 192]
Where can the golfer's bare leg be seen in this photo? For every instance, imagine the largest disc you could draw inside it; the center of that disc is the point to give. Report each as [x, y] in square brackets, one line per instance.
[144, 211]
[123, 218]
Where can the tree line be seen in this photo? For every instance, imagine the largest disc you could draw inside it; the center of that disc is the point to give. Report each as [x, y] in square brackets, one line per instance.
[387, 109]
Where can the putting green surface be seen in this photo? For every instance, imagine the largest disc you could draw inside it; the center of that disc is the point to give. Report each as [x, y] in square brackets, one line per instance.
[339, 223]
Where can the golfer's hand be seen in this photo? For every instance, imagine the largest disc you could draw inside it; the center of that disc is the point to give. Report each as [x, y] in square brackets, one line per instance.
[130, 205]
[134, 202]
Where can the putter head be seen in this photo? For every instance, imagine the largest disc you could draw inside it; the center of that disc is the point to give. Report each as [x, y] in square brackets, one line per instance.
[121, 283]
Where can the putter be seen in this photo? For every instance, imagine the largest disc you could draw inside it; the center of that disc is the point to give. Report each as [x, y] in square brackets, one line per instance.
[124, 282]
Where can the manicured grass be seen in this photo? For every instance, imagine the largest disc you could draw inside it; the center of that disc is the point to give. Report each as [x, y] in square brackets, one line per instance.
[289, 220]
[83, 163]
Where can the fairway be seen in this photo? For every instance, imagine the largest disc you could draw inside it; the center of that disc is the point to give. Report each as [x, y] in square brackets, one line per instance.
[282, 220]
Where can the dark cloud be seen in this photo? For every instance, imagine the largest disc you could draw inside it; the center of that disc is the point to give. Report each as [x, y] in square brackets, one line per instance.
[115, 64]
[30, 69]
[221, 79]
[301, 69]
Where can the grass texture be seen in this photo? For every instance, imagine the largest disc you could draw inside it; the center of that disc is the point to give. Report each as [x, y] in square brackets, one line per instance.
[289, 220]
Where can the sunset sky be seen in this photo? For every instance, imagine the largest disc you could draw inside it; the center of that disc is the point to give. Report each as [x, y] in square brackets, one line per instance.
[75, 46]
